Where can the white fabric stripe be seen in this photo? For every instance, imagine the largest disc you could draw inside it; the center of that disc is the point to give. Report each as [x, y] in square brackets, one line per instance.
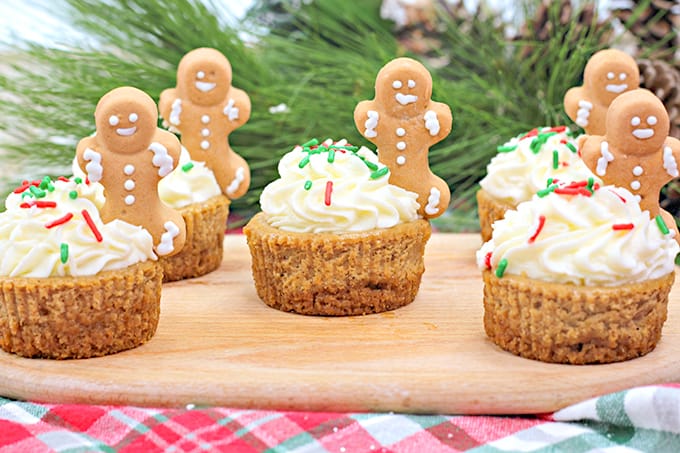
[586, 410]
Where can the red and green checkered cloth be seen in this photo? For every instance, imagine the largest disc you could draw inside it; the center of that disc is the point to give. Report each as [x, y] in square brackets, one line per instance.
[643, 419]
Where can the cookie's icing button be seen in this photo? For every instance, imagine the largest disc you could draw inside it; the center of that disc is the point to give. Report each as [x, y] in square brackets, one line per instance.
[130, 200]
[635, 184]
[400, 132]
[401, 146]
[405, 99]
[129, 169]
[637, 171]
[205, 132]
[205, 144]
[401, 160]
[205, 119]
[129, 184]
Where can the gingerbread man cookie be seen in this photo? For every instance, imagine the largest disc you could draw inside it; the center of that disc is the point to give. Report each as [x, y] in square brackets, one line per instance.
[636, 151]
[205, 109]
[608, 73]
[129, 155]
[403, 122]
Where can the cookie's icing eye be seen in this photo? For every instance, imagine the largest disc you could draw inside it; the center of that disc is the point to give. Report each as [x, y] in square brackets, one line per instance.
[397, 84]
[411, 83]
[610, 75]
[622, 76]
[651, 120]
[113, 120]
[200, 74]
[635, 121]
[133, 117]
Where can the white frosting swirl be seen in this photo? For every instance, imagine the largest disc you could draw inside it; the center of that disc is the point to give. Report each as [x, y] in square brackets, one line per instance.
[603, 239]
[521, 169]
[191, 182]
[340, 196]
[28, 248]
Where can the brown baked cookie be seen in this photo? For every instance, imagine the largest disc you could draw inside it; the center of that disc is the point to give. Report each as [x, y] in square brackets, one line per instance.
[608, 73]
[129, 155]
[205, 109]
[403, 122]
[636, 151]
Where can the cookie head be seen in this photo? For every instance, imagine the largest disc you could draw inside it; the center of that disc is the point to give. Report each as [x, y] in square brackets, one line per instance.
[403, 87]
[125, 118]
[609, 73]
[204, 76]
[637, 121]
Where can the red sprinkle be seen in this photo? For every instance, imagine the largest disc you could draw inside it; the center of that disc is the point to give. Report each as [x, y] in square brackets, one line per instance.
[557, 129]
[62, 178]
[620, 197]
[541, 222]
[329, 191]
[563, 141]
[40, 204]
[90, 223]
[25, 185]
[573, 191]
[576, 184]
[622, 226]
[59, 221]
[87, 180]
[532, 133]
[487, 260]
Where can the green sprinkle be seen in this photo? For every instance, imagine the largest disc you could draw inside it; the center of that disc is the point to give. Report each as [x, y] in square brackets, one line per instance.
[591, 183]
[188, 166]
[78, 180]
[64, 252]
[27, 193]
[308, 184]
[378, 173]
[556, 160]
[38, 193]
[304, 162]
[331, 155]
[45, 182]
[661, 224]
[535, 145]
[312, 142]
[543, 192]
[50, 187]
[571, 147]
[73, 195]
[549, 182]
[500, 270]
[506, 148]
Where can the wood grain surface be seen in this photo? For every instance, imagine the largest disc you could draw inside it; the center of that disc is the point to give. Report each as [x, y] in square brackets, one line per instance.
[218, 344]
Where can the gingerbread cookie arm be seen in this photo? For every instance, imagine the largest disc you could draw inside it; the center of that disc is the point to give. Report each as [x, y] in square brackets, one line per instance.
[170, 108]
[595, 154]
[366, 119]
[89, 160]
[438, 121]
[237, 107]
[578, 106]
[166, 150]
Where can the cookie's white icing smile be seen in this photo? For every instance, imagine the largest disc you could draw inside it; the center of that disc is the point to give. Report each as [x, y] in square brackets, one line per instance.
[614, 88]
[205, 86]
[405, 99]
[126, 132]
[643, 133]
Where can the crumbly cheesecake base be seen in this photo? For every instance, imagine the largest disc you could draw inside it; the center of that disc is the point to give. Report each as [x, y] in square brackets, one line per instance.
[203, 250]
[564, 323]
[80, 317]
[337, 274]
[489, 211]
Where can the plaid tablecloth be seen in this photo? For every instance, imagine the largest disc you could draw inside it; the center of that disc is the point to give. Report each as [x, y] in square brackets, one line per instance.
[640, 419]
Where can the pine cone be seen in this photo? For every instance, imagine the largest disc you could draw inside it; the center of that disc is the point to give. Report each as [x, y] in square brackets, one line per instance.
[652, 24]
[663, 80]
[542, 26]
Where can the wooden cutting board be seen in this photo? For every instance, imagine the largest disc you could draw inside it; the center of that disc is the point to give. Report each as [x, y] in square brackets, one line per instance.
[218, 344]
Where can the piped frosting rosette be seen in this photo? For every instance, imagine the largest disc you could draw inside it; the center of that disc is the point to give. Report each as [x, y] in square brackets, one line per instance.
[335, 187]
[524, 163]
[52, 228]
[582, 234]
